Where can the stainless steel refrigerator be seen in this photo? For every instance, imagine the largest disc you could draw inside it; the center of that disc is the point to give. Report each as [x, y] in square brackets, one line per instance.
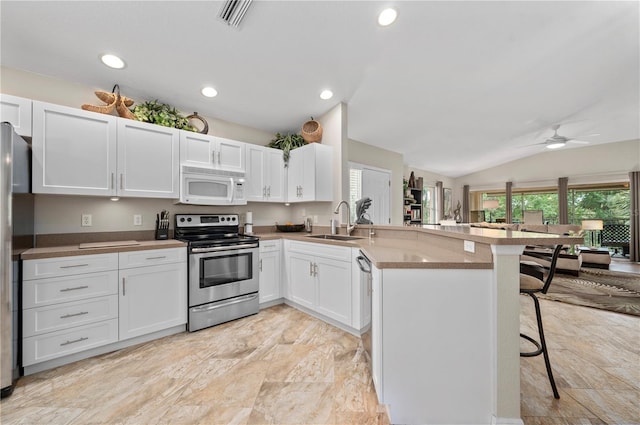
[17, 235]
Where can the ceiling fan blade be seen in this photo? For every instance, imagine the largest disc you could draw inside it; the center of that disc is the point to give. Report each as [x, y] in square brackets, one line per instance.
[578, 142]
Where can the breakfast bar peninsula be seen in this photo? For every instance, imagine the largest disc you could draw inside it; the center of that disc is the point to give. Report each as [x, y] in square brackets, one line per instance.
[445, 322]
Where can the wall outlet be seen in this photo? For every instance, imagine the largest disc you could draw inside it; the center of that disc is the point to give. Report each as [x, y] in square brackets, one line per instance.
[304, 212]
[470, 246]
[86, 220]
[315, 219]
[137, 219]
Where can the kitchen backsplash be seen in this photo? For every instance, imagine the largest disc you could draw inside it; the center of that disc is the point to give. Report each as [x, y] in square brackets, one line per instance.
[63, 214]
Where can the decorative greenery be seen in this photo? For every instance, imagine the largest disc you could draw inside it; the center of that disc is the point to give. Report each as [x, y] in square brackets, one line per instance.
[286, 144]
[159, 113]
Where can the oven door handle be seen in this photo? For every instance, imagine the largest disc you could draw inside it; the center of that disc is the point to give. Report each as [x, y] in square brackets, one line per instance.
[224, 248]
[224, 304]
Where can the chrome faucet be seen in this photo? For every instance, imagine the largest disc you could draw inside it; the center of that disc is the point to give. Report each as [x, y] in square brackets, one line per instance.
[350, 226]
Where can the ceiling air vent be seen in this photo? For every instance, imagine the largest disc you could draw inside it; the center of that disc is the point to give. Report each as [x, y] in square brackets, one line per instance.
[232, 11]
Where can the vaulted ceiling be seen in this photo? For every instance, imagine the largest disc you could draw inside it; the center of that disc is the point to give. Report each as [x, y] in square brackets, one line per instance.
[456, 87]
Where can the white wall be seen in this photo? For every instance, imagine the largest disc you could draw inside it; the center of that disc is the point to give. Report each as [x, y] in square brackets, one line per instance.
[591, 164]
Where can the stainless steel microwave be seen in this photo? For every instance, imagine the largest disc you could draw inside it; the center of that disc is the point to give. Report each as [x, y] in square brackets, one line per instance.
[209, 186]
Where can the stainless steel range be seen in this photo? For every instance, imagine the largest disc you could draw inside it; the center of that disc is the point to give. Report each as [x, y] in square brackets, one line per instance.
[223, 268]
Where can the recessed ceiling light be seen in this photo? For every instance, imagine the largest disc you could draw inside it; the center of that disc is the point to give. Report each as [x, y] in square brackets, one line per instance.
[112, 61]
[209, 92]
[326, 94]
[387, 17]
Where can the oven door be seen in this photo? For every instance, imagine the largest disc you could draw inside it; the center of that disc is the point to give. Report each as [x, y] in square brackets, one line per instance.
[223, 273]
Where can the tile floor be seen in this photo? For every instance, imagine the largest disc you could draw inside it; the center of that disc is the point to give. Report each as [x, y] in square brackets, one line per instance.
[285, 367]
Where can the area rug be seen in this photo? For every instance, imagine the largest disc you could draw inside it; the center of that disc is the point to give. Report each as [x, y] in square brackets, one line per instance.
[603, 289]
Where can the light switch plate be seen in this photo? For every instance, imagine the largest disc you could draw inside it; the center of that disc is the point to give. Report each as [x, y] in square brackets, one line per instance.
[470, 246]
[137, 219]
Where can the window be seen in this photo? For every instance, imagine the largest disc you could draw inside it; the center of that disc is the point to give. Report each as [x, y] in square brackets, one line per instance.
[355, 190]
[545, 200]
[610, 203]
[429, 205]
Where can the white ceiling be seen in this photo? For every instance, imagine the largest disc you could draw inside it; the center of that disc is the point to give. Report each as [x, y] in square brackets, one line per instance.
[456, 87]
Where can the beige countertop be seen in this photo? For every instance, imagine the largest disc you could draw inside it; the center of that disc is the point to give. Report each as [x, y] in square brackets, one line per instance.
[391, 247]
[69, 250]
[412, 247]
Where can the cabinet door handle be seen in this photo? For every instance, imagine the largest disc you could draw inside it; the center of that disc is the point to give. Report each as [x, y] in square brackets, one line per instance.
[113, 181]
[213, 157]
[74, 288]
[156, 258]
[315, 269]
[269, 192]
[66, 316]
[82, 338]
[264, 191]
[123, 287]
[74, 265]
[310, 268]
[121, 181]
[261, 264]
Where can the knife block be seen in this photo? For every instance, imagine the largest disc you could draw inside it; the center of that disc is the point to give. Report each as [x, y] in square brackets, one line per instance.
[161, 234]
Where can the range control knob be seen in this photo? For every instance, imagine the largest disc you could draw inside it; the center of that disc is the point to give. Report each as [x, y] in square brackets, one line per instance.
[189, 219]
[181, 219]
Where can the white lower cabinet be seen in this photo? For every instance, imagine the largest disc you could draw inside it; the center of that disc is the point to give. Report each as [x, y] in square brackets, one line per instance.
[78, 303]
[302, 283]
[319, 278]
[69, 305]
[270, 271]
[333, 293]
[152, 296]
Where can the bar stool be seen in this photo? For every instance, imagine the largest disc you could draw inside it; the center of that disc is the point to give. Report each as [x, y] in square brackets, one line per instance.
[531, 284]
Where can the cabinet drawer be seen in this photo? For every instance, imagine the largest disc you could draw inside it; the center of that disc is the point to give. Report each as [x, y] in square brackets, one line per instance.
[41, 292]
[270, 246]
[152, 257]
[67, 266]
[49, 346]
[340, 253]
[37, 321]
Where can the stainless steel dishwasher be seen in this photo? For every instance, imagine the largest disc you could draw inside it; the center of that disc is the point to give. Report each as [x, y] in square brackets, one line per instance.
[366, 287]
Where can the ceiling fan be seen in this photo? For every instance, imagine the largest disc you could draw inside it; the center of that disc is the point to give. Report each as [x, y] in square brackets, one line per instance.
[557, 141]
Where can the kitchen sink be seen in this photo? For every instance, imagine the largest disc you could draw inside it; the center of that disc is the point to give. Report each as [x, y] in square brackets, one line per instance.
[336, 237]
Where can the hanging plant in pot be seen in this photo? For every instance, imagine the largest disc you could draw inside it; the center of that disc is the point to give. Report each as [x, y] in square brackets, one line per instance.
[286, 143]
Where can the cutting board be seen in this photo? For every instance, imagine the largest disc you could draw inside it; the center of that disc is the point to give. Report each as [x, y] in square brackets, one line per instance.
[107, 244]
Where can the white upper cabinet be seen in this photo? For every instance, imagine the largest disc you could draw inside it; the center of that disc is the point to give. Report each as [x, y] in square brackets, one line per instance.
[147, 160]
[74, 151]
[310, 176]
[77, 152]
[265, 174]
[212, 152]
[17, 111]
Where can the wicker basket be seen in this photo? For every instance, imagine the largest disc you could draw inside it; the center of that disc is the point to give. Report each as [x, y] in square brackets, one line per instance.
[311, 131]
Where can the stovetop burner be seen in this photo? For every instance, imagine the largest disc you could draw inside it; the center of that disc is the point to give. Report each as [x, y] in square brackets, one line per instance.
[210, 230]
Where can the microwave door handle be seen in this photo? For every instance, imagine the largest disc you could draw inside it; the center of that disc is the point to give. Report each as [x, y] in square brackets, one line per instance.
[233, 189]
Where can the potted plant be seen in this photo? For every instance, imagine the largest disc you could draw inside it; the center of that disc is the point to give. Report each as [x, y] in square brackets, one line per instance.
[286, 143]
[161, 114]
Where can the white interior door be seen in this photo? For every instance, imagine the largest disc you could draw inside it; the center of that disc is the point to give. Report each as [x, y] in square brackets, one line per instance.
[376, 185]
